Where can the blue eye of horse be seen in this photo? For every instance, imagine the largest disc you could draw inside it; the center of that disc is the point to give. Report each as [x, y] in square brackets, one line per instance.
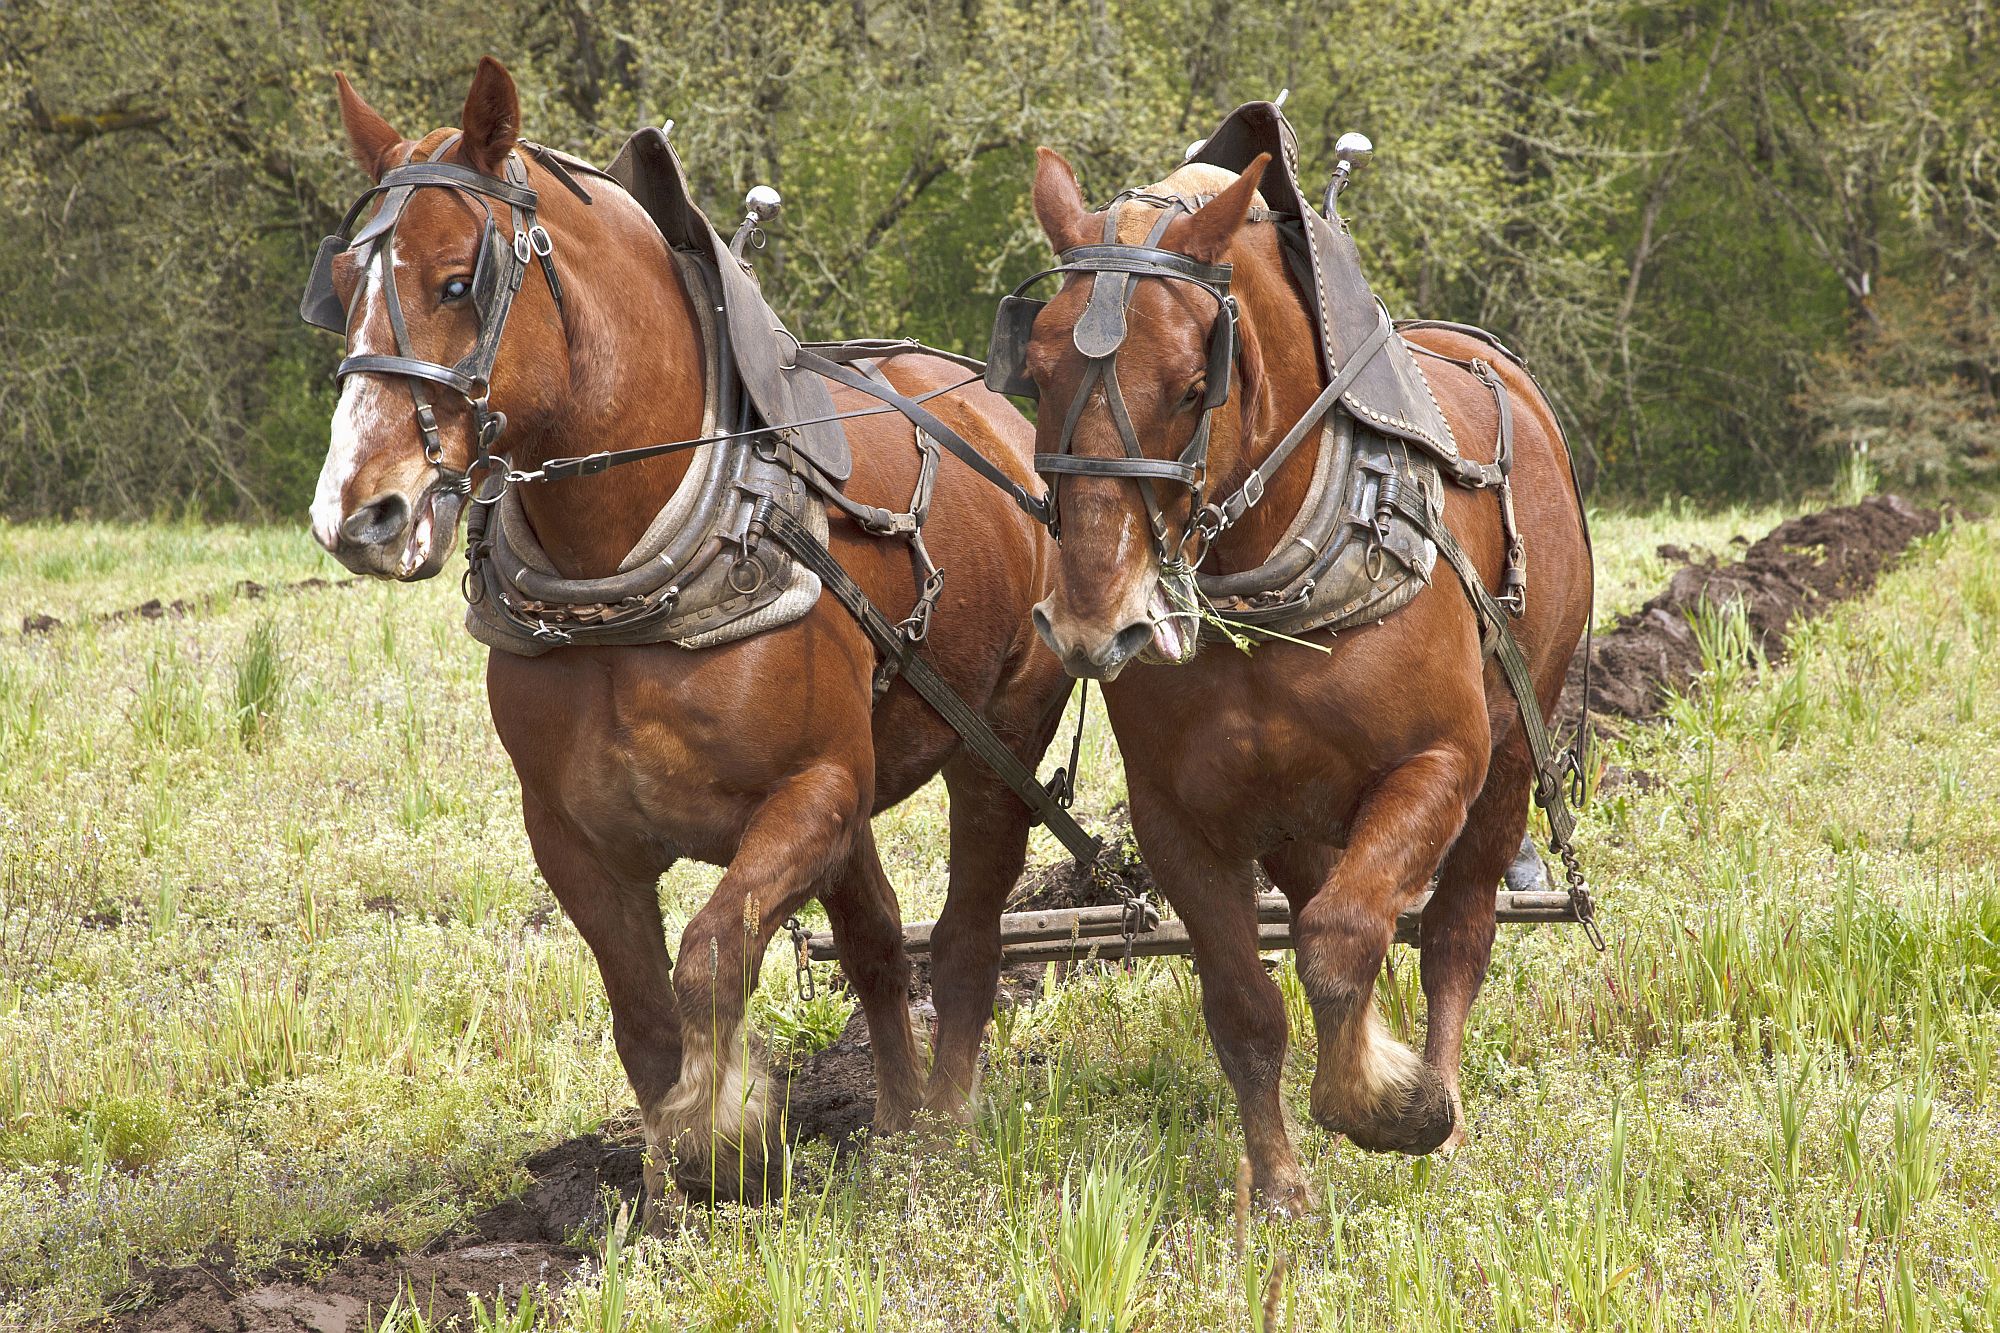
[456, 289]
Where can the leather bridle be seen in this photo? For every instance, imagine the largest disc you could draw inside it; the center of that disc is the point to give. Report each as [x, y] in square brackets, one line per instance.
[496, 280]
[1098, 334]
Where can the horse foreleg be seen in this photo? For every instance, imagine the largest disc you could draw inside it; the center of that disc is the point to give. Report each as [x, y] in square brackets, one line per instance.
[868, 928]
[617, 911]
[717, 1120]
[1369, 1086]
[1216, 899]
[1458, 922]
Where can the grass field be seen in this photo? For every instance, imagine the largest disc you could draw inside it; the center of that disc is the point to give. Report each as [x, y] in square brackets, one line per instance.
[276, 967]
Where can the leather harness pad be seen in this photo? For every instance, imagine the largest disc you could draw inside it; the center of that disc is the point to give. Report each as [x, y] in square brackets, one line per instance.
[1390, 394]
[651, 173]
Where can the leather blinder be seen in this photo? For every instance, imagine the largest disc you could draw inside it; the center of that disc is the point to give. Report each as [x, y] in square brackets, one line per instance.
[489, 273]
[1007, 352]
[320, 305]
[1221, 355]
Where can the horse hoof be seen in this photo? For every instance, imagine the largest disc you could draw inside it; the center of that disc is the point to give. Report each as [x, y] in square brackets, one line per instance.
[1292, 1198]
[1424, 1122]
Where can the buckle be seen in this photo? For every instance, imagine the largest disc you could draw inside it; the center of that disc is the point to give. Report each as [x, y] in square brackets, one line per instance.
[522, 250]
[539, 241]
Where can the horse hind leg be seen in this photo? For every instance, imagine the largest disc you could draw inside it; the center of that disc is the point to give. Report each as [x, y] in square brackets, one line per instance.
[717, 1123]
[868, 928]
[989, 846]
[1458, 922]
[1369, 1086]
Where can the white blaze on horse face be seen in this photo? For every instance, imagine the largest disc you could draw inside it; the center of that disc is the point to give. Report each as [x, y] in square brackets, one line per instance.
[356, 418]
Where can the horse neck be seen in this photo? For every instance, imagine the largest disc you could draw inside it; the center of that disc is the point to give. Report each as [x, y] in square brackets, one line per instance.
[637, 375]
[1273, 314]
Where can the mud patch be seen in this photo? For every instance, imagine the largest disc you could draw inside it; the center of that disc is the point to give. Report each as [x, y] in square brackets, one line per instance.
[1796, 570]
[248, 590]
[208, 1298]
[517, 1245]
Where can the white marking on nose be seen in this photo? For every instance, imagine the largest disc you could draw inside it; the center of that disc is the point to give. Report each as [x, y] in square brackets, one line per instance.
[357, 413]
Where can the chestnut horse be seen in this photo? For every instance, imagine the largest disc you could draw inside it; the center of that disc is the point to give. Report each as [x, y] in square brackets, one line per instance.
[1351, 775]
[766, 755]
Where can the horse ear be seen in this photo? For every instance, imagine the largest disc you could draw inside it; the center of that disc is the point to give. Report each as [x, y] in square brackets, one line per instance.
[492, 118]
[371, 139]
[1059, 204]
[1206, 235]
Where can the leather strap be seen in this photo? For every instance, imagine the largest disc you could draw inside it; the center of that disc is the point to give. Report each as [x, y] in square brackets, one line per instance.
[1084, 465]
[1034, 506]
[1550, 768]
[1231, 509]
[891, 643]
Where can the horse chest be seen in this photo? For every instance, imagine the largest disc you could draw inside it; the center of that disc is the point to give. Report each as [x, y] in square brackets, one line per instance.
[1249, 767]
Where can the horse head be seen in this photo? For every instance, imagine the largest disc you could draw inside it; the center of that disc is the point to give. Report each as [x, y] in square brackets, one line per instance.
[423, 288]
[1149, 384]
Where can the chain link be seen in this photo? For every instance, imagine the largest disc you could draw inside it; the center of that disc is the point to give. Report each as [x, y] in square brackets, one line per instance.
[802, 973]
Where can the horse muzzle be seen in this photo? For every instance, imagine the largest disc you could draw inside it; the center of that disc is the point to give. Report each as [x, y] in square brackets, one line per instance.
[392, 537]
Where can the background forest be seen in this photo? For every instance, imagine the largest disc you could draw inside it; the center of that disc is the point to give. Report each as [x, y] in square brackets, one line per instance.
[1740, 242]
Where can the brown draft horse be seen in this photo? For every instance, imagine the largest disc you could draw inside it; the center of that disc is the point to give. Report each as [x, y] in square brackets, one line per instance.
[764, 755]
[1353, 775]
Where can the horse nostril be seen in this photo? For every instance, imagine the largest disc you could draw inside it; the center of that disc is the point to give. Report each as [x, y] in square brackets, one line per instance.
[378, 522]
[1126, 644]
[1046, 627]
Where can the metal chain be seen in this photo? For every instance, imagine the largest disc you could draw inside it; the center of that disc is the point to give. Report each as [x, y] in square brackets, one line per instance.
[802, 973]
[1579, 896]
[1130, 919]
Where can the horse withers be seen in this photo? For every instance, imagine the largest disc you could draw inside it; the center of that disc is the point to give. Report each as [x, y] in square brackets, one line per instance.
[767, 754]
[1354, 767]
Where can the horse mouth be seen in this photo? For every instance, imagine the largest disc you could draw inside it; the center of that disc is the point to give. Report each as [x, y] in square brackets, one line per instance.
[1175, 632]
[431, 534]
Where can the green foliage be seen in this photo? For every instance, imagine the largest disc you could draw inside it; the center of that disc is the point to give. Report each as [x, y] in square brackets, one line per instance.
[1691, 218]
[260, 683]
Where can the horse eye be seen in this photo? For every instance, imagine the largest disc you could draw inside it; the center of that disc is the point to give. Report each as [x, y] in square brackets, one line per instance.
[1195, 391]
[457, 288]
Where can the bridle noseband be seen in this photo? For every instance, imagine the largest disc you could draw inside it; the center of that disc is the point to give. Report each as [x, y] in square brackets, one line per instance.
[1098, 334]
[496, 279]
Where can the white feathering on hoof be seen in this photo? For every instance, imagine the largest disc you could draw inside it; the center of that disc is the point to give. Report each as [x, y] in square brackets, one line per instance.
[1366, 1076]
[720, 1107]
[1384, 1070]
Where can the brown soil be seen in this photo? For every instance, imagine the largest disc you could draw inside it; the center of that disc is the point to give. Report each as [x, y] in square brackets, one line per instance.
[248, 590]
[1795, 571]
[339, 1288]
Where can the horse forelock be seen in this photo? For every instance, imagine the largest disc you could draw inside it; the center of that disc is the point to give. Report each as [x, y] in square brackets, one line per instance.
[1190, 181]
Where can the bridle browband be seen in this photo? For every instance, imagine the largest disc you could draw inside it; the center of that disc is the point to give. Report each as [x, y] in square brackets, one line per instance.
[496, 280]
[1099, 333]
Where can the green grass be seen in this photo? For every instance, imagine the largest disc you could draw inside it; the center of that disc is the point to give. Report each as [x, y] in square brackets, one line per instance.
[275, 967]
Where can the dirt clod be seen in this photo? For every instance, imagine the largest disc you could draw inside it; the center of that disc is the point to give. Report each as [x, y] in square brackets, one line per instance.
[1796, 570]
